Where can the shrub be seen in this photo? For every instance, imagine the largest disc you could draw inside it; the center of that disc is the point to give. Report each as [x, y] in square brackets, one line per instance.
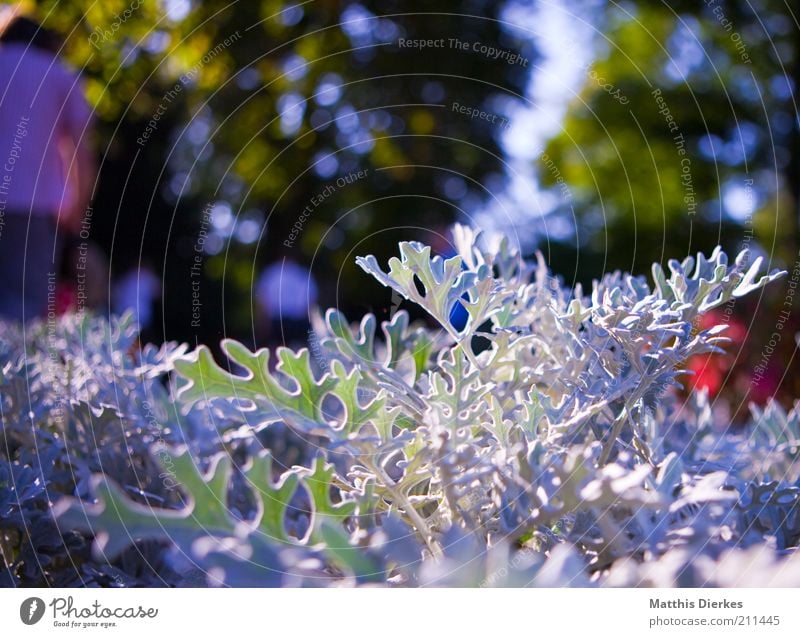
[540, 444]
[74, 403]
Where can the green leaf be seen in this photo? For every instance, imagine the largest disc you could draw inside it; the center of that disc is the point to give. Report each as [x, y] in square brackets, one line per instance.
[346, 390]
[274, 498]
[299, 405]
[117, 521]
[349, 557]
[318, 482]
[443, 281]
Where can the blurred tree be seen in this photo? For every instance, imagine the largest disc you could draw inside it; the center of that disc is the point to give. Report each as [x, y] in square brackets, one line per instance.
[244, 125]
[683, 136]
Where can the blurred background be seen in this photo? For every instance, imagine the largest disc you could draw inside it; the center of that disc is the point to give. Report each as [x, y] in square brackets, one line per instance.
[234, 136]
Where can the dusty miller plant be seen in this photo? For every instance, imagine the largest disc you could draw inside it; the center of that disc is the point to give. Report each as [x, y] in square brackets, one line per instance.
[539, 443]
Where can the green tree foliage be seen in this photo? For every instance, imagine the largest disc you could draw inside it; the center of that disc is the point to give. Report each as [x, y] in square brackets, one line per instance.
[684, 126]
[250, 112]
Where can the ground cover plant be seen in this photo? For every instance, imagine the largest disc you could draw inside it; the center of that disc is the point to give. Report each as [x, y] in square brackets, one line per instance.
[540, 443]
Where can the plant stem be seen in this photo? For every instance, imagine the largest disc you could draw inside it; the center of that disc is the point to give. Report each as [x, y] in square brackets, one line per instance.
[416, 518]
[619, 423]
[461, 342]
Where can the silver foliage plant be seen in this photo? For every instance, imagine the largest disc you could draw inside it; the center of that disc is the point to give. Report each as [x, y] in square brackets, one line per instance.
[538, 444]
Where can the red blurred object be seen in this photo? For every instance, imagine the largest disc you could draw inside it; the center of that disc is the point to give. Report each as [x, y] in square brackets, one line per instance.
[66, 297]
[709, 373]
[732, 372]
[711, 370]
